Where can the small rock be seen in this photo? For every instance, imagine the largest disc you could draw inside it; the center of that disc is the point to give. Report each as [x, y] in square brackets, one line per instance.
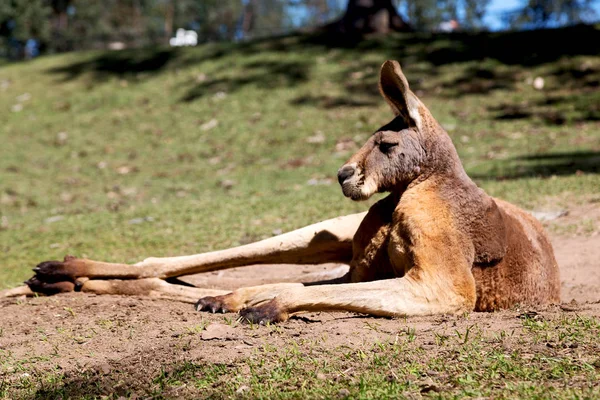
[209, 125]
[538, 83]
[55, 218]
[317, 138]
[548, 215]
[17, 108]
[220, 95]
[573, 306]
[319, 182]
[243, 389]
[67, 197]
[61, 138]
[357, 75]
[136, 221]
[321, 376]
[124, 170]
[130, 191]
[227, 184]
[23, 97]
[104, 368]
[346, 144]
[343, 393]
[219, 332]
[449, 127]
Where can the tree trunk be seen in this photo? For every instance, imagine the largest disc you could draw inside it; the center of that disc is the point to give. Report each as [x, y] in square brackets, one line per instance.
[248, 18]
[370, 16]
[169, 17]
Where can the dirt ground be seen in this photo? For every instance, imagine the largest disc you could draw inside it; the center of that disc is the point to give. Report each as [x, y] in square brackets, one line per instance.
[79, 332]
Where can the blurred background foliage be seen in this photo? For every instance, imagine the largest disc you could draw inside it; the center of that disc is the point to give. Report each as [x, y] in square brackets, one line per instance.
[52, 26]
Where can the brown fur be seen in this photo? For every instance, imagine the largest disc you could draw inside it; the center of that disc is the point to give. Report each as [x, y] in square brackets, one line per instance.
[436, 244]
[441, 219]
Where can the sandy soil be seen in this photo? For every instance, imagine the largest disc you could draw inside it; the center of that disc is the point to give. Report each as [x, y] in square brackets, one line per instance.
[81, 332]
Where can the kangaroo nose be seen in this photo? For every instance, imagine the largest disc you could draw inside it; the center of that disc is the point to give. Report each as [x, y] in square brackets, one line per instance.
[345, 172]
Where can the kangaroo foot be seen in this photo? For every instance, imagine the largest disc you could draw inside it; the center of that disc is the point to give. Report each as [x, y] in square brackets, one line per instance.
[215, 304]
[49, 288]
[265, 313]
[59, 271]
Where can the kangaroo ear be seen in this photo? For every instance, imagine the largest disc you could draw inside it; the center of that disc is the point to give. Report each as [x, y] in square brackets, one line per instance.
[394, 89]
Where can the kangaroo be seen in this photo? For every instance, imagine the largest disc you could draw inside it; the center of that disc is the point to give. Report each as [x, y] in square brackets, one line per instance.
[436, 244]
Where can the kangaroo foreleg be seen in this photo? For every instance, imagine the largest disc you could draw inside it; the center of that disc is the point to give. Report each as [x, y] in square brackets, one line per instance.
[149, 287]
[327, 241]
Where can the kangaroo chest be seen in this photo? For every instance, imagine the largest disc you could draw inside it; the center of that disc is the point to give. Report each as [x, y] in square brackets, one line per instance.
[379, 253]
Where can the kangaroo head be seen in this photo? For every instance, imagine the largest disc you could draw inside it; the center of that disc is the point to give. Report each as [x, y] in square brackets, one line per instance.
[408, 147]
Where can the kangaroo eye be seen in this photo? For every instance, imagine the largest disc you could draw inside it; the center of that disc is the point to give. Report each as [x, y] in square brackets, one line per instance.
[386, 147]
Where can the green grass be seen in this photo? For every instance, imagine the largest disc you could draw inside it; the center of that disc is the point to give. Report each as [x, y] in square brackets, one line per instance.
[112, 155]
[474, 362]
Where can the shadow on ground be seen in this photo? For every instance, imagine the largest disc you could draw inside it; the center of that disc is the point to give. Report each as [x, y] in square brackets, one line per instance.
[121, 381]
[547, 165]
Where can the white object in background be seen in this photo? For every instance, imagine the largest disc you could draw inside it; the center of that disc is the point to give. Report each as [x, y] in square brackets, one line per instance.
[184, 38]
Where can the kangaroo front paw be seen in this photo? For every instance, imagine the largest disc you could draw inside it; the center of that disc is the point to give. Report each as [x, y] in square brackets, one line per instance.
[59, 271]
[52, 277]
[49, 288]
[268, 312]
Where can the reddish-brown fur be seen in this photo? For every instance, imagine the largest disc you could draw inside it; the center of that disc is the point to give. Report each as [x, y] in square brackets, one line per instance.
[510, 257]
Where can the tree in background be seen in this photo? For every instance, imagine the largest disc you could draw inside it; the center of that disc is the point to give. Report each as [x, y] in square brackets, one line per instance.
[214, 20]
[427, 15]
[381, 16]
[22, 21]
[474, 12]
[75, 27]
[64, 25]
[369, 16]
[551, 13]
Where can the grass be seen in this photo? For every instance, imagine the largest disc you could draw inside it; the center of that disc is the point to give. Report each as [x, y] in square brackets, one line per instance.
[471, 362]
[123, 155]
